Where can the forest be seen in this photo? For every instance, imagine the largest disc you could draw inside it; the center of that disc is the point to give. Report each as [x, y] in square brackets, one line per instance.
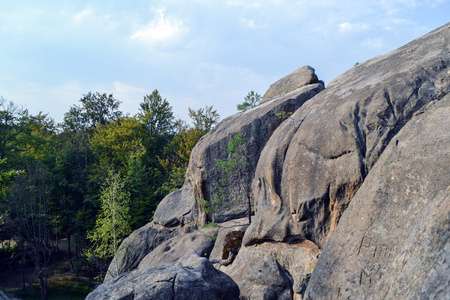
[89, 181]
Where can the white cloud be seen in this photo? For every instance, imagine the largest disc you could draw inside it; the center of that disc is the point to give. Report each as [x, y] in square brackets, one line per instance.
[160, 29]
[348, 27]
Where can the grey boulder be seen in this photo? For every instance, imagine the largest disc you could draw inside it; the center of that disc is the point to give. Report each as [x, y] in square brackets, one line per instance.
[301, 77]
[192, 278]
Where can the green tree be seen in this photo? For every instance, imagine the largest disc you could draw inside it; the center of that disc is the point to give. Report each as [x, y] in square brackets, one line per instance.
[250, 101]
[6, 178]
[233, 172]
[112, 223]
[95, 109]
[204, 119]
[156, 114]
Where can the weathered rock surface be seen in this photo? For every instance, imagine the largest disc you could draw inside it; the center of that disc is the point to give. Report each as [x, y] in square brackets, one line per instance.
[393, 240]
[274, 270]
[376, 141]
[202, 178]
[221, 246]
[136, 246]
[170, 251]
[193, 277]
[317, 159]
[301, 77]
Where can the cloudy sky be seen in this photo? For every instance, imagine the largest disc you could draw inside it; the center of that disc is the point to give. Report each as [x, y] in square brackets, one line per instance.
[196, 52]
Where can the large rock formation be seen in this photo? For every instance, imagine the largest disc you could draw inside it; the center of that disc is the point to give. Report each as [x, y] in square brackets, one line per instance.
[315, 162]
[373, 148]
[202, 178]
[395, 233]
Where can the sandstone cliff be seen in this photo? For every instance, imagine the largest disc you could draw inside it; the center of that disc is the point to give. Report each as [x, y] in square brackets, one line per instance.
[350, 191]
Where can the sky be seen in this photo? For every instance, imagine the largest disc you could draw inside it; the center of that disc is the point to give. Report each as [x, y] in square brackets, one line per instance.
[196, 53]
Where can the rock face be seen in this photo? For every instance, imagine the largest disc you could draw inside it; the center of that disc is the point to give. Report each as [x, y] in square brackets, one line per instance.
[299, 78]
[202, 178]
[136, 246]
[274, 270]
[315, 162]
[360, 170]
[193, 277]
[395, 233]
[170, 251]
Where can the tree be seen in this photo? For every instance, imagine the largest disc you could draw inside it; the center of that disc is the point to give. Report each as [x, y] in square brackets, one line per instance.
[232, 172]
[111, 226]
[95, 109]
[6, 178]
[29, 211]
[204, 118]
[156, 114]
[14, 123]
[250, 101]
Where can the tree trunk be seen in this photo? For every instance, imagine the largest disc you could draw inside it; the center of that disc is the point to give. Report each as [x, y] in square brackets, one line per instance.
[43, 285]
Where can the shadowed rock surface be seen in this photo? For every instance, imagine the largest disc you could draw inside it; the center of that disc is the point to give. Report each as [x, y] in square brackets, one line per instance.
[136, 246]
[274, 270]
[315, 161]
[193, 277]
[202, 177]
[393, 240]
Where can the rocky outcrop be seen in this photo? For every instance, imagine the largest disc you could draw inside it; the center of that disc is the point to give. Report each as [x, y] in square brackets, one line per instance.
[395, 234]
[136, 246]
[202, 177]
[170, 251]
[315, 162]
[193, 277]
[274, 270]
[373, 148]
[301, 77]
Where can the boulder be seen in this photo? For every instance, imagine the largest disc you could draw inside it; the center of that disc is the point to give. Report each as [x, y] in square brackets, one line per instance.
[202, 177]
[392, 242]
[136, 246]
[193, 277]
[229, 236]
[301, 77]
[317, 159]
[273, 270]
[169, 252]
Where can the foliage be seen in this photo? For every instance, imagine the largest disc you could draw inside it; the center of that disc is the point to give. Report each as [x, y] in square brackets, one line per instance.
[210, 225]
[283, 115]
[111, 225]
[67, 163]
[250, 101]
[95, 109]
[6, 178]
[156, 114]
[232, 172]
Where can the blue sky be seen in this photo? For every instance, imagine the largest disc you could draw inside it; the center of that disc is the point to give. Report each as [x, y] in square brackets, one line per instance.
[196, 53]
